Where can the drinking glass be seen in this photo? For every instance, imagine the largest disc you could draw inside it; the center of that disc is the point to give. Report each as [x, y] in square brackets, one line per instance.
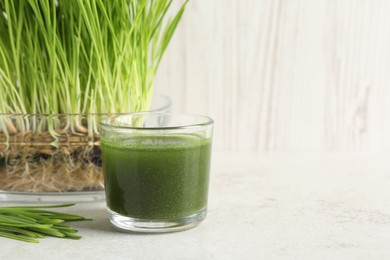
[156, 170]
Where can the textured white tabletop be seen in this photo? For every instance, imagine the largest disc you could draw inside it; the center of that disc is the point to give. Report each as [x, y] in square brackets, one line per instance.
[269, 206]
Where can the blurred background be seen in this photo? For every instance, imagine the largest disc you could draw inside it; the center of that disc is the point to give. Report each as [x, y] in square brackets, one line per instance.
[284, 75]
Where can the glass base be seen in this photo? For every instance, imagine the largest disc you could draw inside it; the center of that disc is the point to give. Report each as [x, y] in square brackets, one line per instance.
[55, 197]
[156, 225]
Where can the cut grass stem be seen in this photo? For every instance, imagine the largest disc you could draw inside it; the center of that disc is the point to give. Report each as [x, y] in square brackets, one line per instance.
[30, 223]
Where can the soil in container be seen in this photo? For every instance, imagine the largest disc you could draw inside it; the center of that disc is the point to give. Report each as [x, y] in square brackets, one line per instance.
[40, 163]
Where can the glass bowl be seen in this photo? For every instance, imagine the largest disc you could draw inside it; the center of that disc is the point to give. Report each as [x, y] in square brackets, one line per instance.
[54, 158]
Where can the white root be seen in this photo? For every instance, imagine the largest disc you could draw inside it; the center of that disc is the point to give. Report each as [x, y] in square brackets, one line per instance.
[11, 128]
[63, 169]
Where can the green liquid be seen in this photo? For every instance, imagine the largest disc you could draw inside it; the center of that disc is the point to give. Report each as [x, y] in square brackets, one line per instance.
[156, 177]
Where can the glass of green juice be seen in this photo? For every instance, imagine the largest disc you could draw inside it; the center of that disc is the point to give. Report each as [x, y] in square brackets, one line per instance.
[156, 170]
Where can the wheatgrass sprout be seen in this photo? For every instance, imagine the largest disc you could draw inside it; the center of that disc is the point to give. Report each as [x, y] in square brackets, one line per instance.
[82, 58]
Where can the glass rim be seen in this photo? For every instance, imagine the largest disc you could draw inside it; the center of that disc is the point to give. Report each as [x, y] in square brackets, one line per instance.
[207, 121]
[165, 98]
[65, 114]
[167, 102]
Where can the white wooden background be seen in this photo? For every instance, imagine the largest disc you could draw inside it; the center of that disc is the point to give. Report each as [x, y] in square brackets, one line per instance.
[285, 75]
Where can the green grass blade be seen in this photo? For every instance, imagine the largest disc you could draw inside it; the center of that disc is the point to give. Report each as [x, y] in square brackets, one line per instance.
[65, 228]
[71, 235]
[19, 237]
[21, 231]
[48, 231]
[52, 221]
[39, 207]
[27, 223]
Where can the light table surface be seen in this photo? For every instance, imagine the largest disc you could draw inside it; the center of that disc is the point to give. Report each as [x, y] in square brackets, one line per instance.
[261, 206]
